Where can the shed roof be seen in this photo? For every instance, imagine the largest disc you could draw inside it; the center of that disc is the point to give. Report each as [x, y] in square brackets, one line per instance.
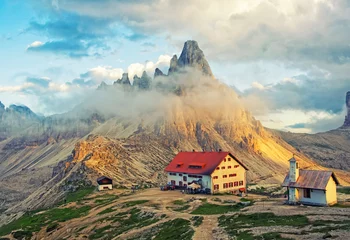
[103, 177]
[206, 161]
[313, 179]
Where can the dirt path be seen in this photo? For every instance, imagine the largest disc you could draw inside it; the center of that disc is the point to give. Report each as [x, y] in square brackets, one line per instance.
[205, 230]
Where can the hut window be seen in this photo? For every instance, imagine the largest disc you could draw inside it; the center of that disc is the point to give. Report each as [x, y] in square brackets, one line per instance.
[229, 159]
[215, 177]
[225, 185]
[216, 187]
[231, 184]
[224, 176]
[222, 167]
[236, 184]
[172, 174]
[240, 183]
[184, 178]
[233, 175]
[307, 193]
[218, 168]
[236, 166]
[229, 167]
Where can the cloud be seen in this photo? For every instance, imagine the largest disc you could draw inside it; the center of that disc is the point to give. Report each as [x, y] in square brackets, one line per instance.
[35, 44]
[149, 66]
[297, 125]
[74, 49]
[234, 30]
[69, 33]
[103, 73]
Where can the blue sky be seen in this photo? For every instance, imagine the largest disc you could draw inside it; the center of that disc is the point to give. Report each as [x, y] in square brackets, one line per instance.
[288, 59]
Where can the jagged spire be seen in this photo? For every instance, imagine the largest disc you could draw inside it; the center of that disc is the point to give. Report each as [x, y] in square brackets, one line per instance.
[193, 56]
[347, 117]
[158, 73]
[173, 65]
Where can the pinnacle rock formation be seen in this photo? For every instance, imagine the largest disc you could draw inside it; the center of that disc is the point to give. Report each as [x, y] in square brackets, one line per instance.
[143, 83]
[2, 109]
[347, 117]
[173, 65]
[102, 86]
[124, 80]
[193, 56]
[158, 73]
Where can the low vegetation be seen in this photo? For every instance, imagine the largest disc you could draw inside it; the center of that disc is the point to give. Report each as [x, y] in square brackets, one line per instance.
[123, 222]
[344, 190]
[233, 224]
[178, 228]
[33, 221]
[197, 220]
[209, 209]
[105, 199]
[134, 203]
[79, 195]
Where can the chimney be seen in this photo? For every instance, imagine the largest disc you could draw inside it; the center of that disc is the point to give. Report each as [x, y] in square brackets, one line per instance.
[293, 169]
[193, 150]
[220, 150]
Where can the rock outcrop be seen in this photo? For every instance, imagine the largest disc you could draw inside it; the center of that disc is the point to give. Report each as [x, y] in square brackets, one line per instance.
[173, 65]
[158, 73]
[103, 86]
[2, 109]
[347, 117]
[124, 80]
[193, 56]
[143, 83]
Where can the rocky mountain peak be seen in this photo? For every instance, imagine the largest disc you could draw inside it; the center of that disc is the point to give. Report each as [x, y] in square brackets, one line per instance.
[2, 106]
[193, 56]
[173, 65]
[347, 117]
[157, 73]
[124, 80]
[143, 83]
[102, 86]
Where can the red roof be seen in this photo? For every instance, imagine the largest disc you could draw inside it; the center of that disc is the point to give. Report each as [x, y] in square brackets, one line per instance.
[203, 163]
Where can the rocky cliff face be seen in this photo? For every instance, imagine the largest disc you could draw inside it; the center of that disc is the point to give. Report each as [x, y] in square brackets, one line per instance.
[347, 117]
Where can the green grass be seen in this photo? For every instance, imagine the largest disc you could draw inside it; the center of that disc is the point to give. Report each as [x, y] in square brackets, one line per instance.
[232, 224]
[246, 200]
[132, 219]
[179, 202]
[107, 210]
[209, 209]
[181, 208]
[79, 195]
[197, 220]
[178, 228]
[22, 235]
[134, 203]
[33, 222]
[344, 190]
